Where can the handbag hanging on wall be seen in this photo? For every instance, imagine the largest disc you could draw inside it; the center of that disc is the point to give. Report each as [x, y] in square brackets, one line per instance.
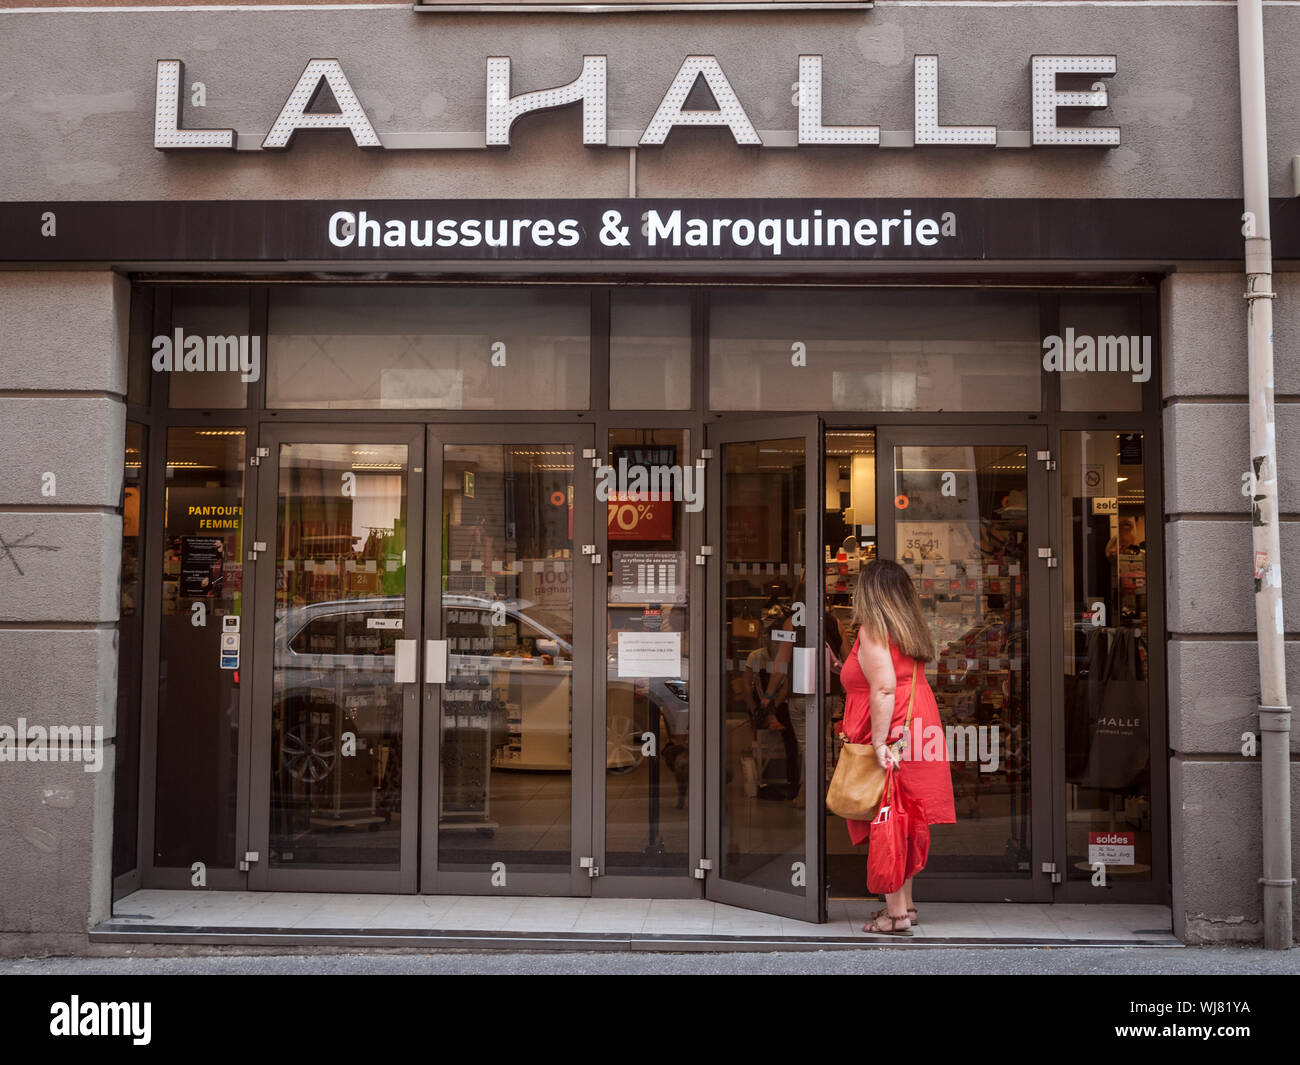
[859, 782]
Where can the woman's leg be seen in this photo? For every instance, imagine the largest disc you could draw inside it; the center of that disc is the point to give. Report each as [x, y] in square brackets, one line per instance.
[899, 901]
[894, 918]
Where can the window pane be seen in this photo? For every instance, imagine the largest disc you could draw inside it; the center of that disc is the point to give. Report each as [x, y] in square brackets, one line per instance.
[892, 349]
[219, 318]
[429, 348]
[337, 714]
[1107, 331]
[650, 349]
[126, 782]
[198, 701]
[646, 826]
[1106, 630]
[508, 614]
[764, 720]
[139, 372]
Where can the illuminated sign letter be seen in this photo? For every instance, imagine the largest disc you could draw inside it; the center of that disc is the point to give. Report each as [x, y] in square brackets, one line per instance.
[809, 102]
[503, 109]
[167, 132]
[926, 105]
[294, 115]
[729, 112]
[1047, 98]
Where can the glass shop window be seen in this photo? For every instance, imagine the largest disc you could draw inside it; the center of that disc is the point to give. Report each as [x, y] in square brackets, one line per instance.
[211, 349]
[416, 348]
[1112, 356]
[650, 349]
[874, 350]
[139, 372]
[126, 780]
[1107, 633]
[198, 697]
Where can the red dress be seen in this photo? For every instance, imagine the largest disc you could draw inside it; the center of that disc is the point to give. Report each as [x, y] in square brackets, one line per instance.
[924, 779]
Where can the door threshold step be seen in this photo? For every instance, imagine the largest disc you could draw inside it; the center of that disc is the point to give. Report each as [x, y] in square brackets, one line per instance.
[479, 940]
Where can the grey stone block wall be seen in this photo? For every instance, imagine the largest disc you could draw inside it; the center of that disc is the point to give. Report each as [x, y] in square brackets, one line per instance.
[75, 439]
[1217, 900]
[62, 379]
[56, 336]
[1213, 659]
[417, 73]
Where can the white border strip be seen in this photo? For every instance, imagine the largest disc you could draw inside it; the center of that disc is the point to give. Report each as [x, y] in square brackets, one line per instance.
[1074, 3]
[405, 5]
[395, 5]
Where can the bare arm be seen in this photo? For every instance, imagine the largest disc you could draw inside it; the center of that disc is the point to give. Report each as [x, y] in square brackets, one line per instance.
[878, 667]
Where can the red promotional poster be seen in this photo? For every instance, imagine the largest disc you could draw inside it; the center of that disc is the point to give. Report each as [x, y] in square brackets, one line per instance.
[640, 516]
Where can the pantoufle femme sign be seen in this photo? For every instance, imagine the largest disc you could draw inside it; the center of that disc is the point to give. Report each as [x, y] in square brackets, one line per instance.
[1050, 101]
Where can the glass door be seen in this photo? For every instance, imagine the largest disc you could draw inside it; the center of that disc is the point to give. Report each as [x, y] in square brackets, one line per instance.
[763, 778]
[650, 504]
[336, 697]
[964, 511]
[1111, 806]
[508, 661]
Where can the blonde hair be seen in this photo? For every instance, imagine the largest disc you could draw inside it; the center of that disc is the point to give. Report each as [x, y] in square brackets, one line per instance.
[887, 610]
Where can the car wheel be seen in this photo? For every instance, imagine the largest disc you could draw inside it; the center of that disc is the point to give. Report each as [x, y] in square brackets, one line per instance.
[625, 754]
[308, 751]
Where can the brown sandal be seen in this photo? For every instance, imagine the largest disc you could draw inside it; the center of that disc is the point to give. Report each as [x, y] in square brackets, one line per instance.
[911, 914]
[893, 930]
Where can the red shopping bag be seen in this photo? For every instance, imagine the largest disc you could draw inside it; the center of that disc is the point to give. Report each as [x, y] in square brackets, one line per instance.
[887, 852]
[918, 844]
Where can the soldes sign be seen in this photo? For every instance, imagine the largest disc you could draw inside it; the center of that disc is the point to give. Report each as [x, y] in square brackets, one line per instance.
[1048, 100]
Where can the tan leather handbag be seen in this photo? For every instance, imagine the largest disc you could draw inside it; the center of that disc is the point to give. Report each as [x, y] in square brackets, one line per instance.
[858, 780]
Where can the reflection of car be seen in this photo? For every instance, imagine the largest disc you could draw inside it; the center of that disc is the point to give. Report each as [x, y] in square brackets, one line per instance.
[336, 716]
[333, 674]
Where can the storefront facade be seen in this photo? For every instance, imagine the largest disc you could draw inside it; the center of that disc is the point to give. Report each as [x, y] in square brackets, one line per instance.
[357, 392]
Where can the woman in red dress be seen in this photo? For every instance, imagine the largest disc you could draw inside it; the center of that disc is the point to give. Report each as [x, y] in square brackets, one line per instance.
[892, 646]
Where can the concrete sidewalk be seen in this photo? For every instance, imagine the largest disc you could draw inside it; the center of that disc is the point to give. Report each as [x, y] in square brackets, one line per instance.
[518, 923]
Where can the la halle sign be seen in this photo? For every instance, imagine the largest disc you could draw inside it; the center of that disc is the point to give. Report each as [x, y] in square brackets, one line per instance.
[1048, 101]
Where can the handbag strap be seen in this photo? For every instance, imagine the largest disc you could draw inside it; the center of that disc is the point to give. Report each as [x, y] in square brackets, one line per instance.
[911, 698]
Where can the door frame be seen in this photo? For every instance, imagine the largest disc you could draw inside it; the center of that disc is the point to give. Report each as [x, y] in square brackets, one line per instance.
[261, 876]
[575, 882]
[1037, 887]
[811, 905]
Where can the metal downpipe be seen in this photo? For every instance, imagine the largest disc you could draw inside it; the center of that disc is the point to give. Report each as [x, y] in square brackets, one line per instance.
[1274, 714]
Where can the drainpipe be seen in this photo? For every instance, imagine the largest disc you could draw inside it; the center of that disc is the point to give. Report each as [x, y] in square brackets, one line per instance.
[1274, 714]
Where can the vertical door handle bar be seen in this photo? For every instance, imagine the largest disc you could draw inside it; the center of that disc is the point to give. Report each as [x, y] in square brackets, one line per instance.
[404, 662]
[435, 661]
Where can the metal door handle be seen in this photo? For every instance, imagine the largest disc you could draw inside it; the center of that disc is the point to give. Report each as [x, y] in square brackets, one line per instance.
[804, 679]
[404, 662]
[435, 661]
